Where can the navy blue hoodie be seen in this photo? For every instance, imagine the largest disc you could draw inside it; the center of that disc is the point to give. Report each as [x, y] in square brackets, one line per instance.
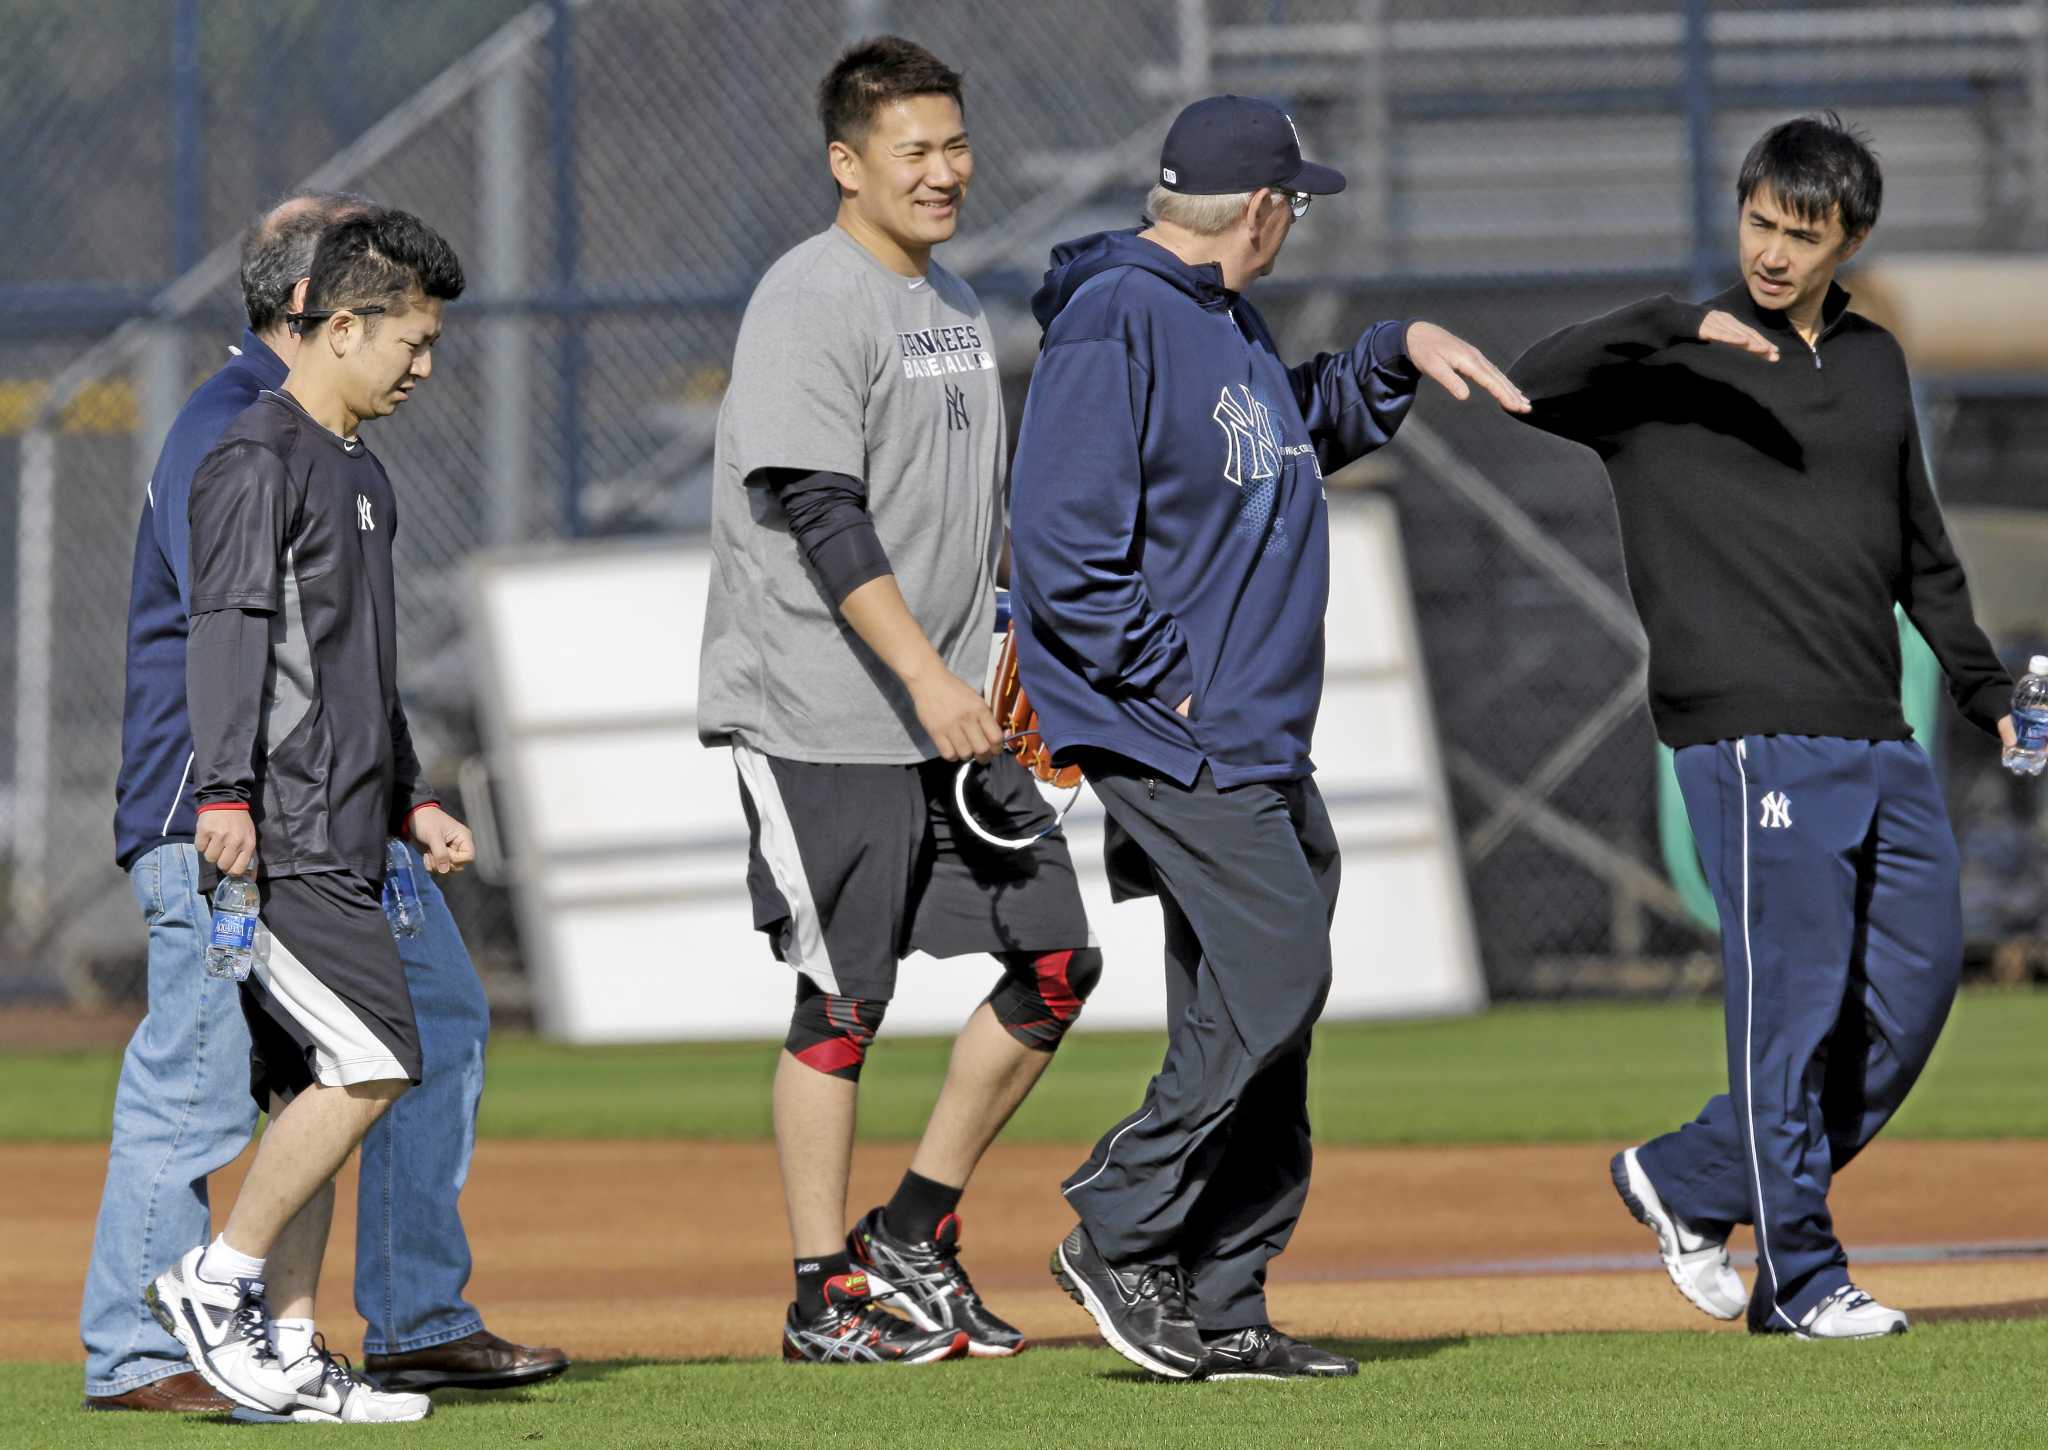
[1169, 530]
[153, 798]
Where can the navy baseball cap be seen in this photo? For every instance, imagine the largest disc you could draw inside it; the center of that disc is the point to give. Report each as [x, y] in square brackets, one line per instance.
[1228, 144]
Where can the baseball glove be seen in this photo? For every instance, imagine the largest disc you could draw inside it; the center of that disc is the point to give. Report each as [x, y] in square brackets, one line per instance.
[1016, 718]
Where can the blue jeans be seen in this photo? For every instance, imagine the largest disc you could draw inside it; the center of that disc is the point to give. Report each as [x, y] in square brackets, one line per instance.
[182, 1110]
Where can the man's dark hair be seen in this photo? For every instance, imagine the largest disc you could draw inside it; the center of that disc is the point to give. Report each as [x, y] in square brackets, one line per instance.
[277, 248]
[380, 259]
[870, 75]
[1814, 165]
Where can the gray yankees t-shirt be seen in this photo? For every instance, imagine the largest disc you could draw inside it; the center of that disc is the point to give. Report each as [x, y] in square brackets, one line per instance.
[842, 365]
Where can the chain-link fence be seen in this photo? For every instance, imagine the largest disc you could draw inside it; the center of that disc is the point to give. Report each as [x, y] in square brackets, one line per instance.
[617, 173]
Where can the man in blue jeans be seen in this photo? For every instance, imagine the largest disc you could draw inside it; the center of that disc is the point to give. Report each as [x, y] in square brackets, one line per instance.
[183, 1107]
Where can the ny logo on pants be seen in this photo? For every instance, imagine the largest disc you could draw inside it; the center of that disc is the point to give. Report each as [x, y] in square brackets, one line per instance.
[1777, 811]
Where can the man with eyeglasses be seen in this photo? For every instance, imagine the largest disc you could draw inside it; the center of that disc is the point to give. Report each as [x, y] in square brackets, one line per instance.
[1171, 566]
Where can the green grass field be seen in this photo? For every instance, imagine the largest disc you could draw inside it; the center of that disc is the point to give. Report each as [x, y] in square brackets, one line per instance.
[1947, 1385]
[1585, 1073]
[1517, 1074]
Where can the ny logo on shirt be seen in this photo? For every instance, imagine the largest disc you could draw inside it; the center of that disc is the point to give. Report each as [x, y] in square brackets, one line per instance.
[956, 409]
[365, 520]
[1250, 447]
[1777, 811]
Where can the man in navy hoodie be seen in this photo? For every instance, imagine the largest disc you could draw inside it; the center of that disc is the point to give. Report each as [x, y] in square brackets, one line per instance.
[1171, 566]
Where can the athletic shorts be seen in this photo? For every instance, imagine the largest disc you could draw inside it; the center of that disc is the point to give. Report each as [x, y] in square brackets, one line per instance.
[853, 867]
[326, 1000]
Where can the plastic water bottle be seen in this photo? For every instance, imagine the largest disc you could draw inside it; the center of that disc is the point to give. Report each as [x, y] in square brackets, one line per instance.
[231, 945]
[2029, 756]
[401, 891]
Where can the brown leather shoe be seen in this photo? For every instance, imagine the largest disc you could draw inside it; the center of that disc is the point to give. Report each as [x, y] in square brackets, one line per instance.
[177, 1394]
[482, 1361]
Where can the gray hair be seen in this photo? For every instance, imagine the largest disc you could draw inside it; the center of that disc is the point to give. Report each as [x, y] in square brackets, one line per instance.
[1205, 216]
[277, 249]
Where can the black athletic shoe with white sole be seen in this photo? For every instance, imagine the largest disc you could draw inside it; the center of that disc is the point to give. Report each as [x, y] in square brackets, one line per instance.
[1141, 1309]
[1264, 1353]
[852, 1329]
[925, 1281]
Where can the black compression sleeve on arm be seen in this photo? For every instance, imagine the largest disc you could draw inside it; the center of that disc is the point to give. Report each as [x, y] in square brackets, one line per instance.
[828, 517]
[227, 654]
[409, 789]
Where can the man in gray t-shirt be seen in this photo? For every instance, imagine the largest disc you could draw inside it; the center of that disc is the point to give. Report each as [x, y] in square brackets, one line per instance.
[846, 367]
[857, 519]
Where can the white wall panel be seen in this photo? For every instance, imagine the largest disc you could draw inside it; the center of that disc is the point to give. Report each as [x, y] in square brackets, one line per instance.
[629, 855]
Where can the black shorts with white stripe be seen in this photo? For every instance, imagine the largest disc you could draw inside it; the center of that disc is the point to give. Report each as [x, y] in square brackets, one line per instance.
[853, 867]
[327, 1000]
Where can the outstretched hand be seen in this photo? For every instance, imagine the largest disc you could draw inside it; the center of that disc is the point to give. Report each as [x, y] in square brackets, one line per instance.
[1449, 360]
[1726, 329]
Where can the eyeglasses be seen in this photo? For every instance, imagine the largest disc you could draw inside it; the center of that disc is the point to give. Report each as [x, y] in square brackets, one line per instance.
[1297, 202]
[298, 320]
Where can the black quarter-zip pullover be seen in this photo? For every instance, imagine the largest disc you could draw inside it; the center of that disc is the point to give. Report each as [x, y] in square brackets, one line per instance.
[1771, 515]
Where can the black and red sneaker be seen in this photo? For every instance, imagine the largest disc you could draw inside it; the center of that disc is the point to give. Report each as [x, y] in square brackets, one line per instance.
[925, 1280]
[852, 1329]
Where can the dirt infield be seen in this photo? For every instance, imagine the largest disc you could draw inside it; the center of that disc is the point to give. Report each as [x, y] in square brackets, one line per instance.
[678, 1249]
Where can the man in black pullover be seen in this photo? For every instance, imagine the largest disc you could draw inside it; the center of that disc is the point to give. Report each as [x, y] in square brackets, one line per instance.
[1774, 506]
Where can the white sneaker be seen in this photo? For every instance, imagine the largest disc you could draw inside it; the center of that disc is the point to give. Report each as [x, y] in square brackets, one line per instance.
[330, 1394]
[1697, 1264]
[1849, 1313]
[226, 1331]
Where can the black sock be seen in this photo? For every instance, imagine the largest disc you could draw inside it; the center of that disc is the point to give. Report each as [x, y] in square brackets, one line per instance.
[811, 1275]
[919, 1204]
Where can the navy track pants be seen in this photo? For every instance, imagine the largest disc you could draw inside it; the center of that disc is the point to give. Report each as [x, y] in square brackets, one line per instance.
[1835, 873]
[1212, 1169]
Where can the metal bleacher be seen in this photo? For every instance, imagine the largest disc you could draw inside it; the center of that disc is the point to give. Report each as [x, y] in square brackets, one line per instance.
[1600, 142]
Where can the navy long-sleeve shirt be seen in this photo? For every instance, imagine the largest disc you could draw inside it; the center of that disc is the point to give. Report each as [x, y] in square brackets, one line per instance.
[1169, 529]
[153, 796]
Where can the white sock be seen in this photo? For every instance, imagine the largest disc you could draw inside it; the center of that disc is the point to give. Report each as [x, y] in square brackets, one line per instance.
[223, 1265]
[291, 1338]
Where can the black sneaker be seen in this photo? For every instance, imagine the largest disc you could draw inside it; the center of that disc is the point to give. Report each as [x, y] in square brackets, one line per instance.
[1264, 1353]
[926, 1282]
[852, 1330]
[1141, 1309]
